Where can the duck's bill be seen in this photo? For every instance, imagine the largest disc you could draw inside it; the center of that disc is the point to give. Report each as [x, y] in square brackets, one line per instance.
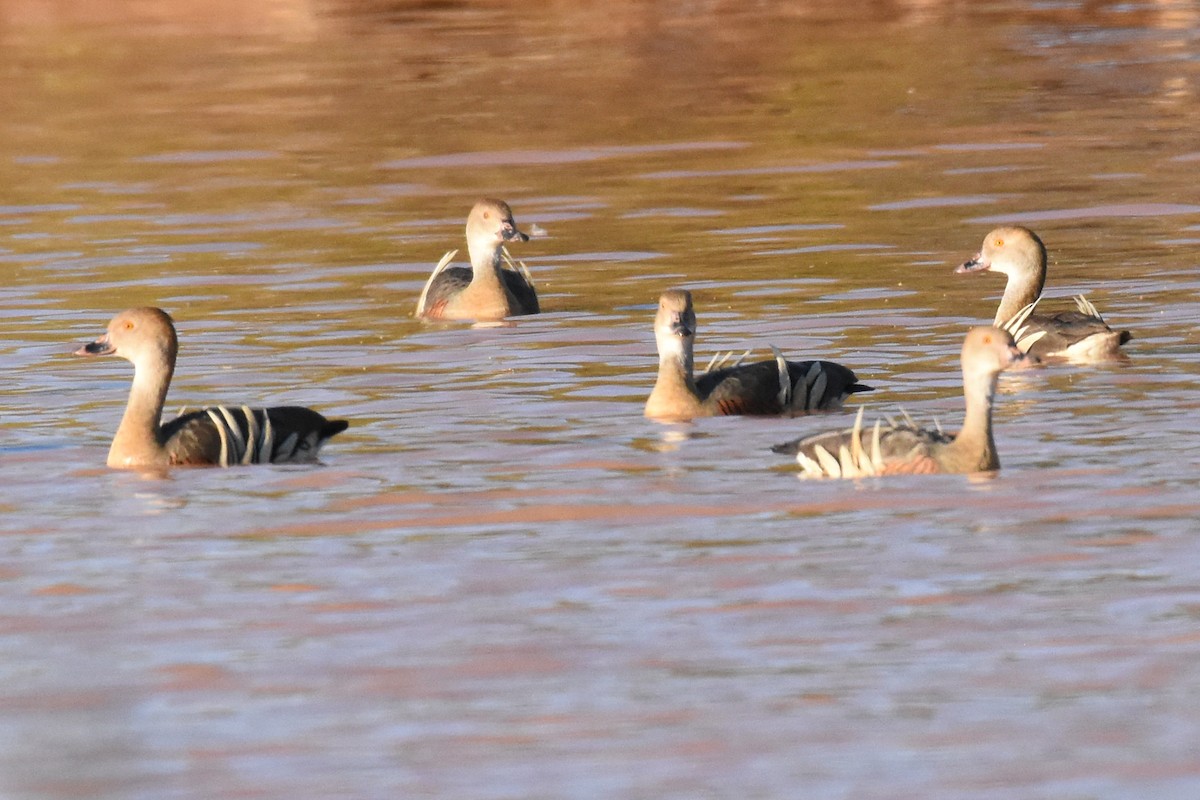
[976, 264]
[512, 234]
[100, 347]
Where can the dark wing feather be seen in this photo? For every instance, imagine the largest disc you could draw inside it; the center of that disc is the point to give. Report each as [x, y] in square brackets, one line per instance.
[747, 389]
[522, 291]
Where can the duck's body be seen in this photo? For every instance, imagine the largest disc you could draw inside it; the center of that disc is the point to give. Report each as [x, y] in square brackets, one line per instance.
[906, 449]
[764, 388]
[1019, 254]
[216, 436]
[487, 290]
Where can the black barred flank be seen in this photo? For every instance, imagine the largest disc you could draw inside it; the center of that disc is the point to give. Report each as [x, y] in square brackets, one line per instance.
[240, 435]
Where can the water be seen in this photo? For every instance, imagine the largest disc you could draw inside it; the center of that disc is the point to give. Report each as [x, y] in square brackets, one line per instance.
[504, 582]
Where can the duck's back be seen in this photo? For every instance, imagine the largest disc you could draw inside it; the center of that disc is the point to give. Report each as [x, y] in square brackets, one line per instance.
[757, 389]
[226, 435]
[1070, 333]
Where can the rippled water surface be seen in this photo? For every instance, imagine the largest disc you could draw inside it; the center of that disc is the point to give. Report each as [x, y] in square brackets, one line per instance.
[503, 582]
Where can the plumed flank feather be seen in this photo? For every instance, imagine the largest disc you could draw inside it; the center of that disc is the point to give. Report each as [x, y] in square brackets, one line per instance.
[815, 384]
[856, 445]
[1025, 335]
[422, 306]
[720, 360]
[1086, 308]
[853, 460]
[785, 382]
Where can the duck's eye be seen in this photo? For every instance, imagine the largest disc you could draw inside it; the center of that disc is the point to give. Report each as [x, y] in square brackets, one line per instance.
[487, 215]
[987, 339]
[128, 325]
[999, 243]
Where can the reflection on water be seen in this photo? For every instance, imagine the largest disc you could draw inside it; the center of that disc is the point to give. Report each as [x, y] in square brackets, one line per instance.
[505, 582]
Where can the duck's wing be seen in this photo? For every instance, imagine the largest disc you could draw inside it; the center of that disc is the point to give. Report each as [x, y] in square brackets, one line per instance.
[443, 284]
[520, 286]
[226, 436]
[519, 283]
[1081, 333]
[747, 389]
[777, 387]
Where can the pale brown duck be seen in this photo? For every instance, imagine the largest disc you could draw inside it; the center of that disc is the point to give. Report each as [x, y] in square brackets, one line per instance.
[216, 436]
[905, 449]
[764, 388]
[488, 290]
[1080, 335]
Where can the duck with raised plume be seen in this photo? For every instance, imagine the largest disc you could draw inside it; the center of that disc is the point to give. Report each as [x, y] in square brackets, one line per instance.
[905, 448]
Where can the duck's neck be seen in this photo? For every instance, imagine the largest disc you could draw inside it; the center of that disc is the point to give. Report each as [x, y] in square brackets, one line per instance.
[137, 442]
[1023, 287]
[486, 296]
[974, 450]
[674, 393]
[485, 264]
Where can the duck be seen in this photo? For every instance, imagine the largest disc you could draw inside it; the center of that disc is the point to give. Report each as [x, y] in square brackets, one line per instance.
[1079, 335]
[215, 436]
[764, 388]
[907, 449]
[489, 290]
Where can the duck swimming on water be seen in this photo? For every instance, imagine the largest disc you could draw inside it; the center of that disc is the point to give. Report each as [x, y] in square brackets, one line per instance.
[906, 449]
[1080, 335]
[216, 436]
[766, 388]
[486, 291]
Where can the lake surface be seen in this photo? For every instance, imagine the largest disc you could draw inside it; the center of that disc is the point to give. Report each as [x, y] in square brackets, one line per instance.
[504, 582]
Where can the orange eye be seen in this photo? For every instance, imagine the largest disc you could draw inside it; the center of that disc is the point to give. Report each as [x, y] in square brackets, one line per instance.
[128, 326]
[487, 215]
[999, 243]
[987, 339]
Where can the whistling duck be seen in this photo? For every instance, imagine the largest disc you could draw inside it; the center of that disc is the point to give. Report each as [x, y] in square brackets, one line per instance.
[763, 388]
[219, 435]
[1080, 335]
[488, 290]
[905, 449]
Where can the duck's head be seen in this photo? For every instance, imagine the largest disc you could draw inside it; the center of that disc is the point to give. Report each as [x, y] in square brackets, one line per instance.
[135, 334]
[675, 322]
[1011, 250]
[491, 222]
[989, 351]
